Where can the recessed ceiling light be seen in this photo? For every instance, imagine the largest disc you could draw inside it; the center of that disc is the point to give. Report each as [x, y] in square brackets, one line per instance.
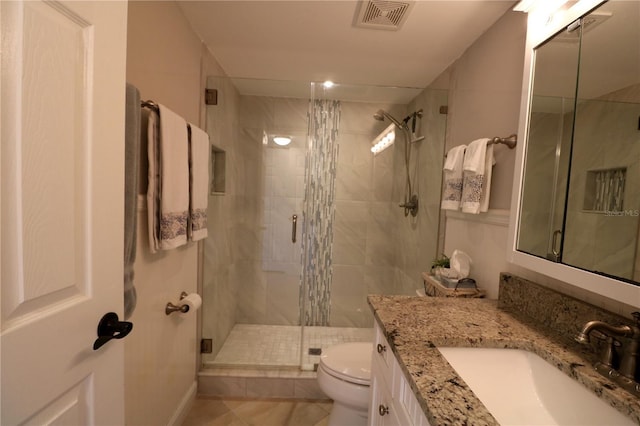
[328, 84]
[282, 140]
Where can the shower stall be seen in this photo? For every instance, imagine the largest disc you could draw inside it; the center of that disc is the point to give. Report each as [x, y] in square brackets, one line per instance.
[300, 233]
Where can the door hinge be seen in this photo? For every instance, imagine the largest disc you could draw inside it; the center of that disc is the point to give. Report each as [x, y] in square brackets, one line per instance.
[211, 96]
[206, 346]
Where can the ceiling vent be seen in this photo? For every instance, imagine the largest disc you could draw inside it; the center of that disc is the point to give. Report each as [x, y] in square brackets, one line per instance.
[382, 15]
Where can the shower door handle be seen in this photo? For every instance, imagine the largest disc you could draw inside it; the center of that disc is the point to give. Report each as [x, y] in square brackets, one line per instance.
[294, 226]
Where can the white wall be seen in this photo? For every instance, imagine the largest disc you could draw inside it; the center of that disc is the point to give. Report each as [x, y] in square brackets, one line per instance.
[484, 102]
[164, 60]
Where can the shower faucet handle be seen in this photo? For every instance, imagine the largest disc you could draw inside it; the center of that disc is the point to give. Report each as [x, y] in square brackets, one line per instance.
[294, 228]
[411, 206]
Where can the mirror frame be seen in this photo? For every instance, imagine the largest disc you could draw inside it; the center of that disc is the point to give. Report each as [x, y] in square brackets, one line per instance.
[542, 25]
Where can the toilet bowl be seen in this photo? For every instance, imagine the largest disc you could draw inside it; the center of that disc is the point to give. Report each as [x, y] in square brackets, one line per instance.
[344, 375]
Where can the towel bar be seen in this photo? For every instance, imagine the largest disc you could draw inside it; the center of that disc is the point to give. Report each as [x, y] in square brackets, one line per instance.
[510, 141]
[150, 104]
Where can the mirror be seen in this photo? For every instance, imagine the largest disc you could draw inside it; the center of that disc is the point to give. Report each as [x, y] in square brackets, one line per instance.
[580, 196]
[549, 136]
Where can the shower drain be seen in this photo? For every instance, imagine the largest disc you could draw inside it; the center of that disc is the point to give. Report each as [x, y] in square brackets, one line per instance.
[315, 351]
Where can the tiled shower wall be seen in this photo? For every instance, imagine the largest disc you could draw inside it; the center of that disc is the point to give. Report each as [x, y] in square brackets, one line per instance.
[376, 248]
[363, 257]
[252, 269]
[232, 251]
[596, 234]
[599, 241]
[272, 297]
[319, 212]
[416, 238]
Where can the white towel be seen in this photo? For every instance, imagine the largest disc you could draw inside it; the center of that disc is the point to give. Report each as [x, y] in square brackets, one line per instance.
[489, 162]
[477, 176]
[152, 134]
[198, 183]
[168, 191]
[452, 193]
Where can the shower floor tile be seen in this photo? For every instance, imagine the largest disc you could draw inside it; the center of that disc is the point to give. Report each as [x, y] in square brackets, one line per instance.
[277, 346]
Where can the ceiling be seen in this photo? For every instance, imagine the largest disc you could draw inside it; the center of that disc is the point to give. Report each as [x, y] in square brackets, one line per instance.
[311, 40]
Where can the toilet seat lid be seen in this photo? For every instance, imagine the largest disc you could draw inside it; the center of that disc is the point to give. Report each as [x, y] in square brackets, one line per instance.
[349, 361]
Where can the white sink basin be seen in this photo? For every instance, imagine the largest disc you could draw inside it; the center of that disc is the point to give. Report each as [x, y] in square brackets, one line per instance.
[520, 388]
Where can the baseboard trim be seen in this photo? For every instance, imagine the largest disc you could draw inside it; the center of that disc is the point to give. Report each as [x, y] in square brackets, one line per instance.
[185, 405]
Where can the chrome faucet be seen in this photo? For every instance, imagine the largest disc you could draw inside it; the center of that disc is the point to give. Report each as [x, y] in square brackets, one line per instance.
[625, 375]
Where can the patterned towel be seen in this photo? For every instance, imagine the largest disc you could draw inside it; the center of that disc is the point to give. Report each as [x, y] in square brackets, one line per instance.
[452, 192]
[478, 160]
[168, 190]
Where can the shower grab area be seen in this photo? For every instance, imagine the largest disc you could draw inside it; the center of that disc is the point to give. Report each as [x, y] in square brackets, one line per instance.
[309, 223]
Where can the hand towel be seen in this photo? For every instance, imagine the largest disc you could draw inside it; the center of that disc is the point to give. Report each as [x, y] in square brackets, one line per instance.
[151, 133]
[174, 182]
[489, 162]
[452, 193]
[198, 182]
[474, 168]
[168, 190]
[131, 162]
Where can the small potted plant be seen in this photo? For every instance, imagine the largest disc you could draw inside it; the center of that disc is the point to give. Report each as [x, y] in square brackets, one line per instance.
[440, 266]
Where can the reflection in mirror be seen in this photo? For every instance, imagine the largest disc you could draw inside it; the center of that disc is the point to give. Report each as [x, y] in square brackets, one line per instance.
[580, 201]
[549, 138]
[603, 208]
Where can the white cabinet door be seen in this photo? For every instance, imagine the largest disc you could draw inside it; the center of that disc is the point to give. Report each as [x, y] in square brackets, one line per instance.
[383, 411]
[62, 166]
[392, 399]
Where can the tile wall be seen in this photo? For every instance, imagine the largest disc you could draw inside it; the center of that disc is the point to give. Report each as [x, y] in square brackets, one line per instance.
[232, 250]
[416, 239]
[600, 241]
[252, 269]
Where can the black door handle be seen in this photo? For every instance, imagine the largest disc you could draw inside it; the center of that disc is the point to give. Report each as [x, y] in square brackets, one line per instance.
[109, 328]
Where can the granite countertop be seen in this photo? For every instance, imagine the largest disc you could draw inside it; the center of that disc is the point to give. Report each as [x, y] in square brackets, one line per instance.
[416, 326]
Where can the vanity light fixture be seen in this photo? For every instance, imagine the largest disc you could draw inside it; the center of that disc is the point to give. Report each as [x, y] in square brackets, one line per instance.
[527, 6]
[524, 5]
[282, 140]
[384, 140]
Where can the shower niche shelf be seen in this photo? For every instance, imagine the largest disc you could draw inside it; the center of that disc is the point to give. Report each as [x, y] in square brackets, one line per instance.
[604, 190]
[218, 171]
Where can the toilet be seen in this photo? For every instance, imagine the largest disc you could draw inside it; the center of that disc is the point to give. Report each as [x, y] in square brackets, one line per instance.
[344, 375]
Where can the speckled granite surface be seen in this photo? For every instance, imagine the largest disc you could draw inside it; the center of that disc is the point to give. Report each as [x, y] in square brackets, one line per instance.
[416, 326]
[563, 314]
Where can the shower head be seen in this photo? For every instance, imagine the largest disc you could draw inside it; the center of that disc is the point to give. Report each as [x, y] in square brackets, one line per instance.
[381, 114]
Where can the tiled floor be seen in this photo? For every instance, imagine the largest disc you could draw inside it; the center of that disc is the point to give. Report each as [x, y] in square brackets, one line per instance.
[242, 412]
[271, 346]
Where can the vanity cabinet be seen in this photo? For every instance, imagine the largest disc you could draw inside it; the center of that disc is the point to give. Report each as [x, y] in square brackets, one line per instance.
[392, 401]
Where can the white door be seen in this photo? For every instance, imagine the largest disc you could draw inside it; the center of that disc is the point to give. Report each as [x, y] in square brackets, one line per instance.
[62, 165]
